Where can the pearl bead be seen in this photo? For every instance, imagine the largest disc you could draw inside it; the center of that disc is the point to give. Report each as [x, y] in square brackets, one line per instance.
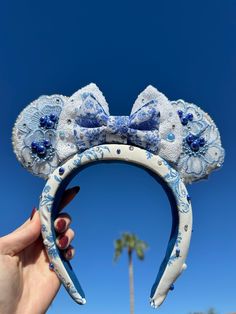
[180, 113]
[195, 145]
[53, 117]
[47, 143]
[184, 121]
[34, 145]
[50, 124]
[190, 138]
[202, 141]
[43, 121]
[41, 150]
[61, 170]
[190, 116]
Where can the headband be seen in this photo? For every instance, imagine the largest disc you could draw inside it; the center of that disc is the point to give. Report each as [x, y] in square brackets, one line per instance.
[56, 137]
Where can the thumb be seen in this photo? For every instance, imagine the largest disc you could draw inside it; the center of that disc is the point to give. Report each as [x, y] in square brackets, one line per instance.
[21, 238]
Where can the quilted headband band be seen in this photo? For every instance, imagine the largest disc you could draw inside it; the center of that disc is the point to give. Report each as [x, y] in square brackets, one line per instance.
[56, 137]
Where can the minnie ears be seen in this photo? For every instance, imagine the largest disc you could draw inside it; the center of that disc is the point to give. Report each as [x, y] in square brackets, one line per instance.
[53, 128]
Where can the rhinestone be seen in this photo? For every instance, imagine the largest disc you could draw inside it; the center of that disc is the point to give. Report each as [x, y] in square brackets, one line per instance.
[170, 137]
[51, 266]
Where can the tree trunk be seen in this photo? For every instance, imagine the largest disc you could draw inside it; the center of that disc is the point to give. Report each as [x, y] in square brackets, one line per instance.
[131, 282]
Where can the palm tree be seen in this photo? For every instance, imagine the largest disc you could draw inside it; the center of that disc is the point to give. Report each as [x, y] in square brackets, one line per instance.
[131, 243]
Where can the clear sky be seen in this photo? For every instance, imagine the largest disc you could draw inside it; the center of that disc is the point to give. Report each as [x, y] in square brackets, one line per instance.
[187, 50]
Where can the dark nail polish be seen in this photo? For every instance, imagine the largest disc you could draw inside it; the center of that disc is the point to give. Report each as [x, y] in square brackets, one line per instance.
[61, 225]
[69, 253]
[76, 189]
[63, 241]
[33, 212]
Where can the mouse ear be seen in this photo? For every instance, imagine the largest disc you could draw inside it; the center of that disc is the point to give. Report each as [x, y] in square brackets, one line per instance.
[34, 135]
[202, 151]
[169, 128]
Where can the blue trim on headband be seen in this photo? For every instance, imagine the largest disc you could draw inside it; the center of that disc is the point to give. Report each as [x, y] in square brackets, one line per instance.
[174, 229]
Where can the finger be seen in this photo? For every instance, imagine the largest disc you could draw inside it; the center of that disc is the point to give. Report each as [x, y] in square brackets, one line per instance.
[27, 221]
[18, 240]
[69, 252]
[62, 223]
[64, 239]
[68, 196]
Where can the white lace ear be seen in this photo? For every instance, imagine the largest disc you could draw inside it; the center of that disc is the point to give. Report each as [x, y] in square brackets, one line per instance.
[35, 135]
[202, 151]
[170, 127]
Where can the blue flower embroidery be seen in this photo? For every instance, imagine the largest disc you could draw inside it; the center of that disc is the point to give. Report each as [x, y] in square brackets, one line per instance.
[202, 151]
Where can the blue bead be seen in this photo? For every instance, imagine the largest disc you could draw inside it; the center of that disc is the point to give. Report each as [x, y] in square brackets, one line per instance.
[53, 117]
[34, 145]
[172, 287]
[195, 145]
[49, 124]
[41, 150]
[43, 121]
[188, 198]
[170, 137]
[180, 113]
[184, 121]
[46, 143]
[190, 138]
[51, 266]
[190, 116]
[61, 171]
[202, 141]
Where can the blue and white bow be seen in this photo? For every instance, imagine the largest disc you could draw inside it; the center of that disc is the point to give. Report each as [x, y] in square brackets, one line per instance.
[93, 126]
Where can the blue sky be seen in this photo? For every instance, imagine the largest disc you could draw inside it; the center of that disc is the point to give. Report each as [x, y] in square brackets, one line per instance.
[187, 50]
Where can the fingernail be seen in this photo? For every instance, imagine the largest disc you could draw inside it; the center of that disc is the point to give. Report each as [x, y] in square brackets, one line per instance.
[61, 225]
[63, 241]
[69, 254]
[76, 189]
[33, 212]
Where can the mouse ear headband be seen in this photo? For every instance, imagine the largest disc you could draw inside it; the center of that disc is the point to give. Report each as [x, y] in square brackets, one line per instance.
[55, 137]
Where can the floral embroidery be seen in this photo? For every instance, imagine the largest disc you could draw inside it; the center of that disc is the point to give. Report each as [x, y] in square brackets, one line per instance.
[202, 151]
[35, 137]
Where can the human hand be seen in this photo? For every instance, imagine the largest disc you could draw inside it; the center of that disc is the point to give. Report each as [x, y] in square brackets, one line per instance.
[27, 285]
